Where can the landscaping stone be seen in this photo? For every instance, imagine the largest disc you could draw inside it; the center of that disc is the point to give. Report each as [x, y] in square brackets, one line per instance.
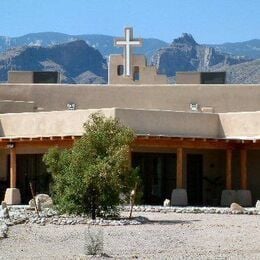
[42, 201]
[167, 203]
[236, 208]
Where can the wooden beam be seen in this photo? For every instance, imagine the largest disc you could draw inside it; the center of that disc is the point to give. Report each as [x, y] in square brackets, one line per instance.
[12, 168]
[186, 143]
[229, 169]
[243, 169]
[179, 175]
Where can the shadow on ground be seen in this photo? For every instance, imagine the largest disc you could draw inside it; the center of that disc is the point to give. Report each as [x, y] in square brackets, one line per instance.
[145, 220]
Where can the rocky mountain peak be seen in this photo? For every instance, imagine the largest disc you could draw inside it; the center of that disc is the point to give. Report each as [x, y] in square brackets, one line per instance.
[186, 39]
[185, 54]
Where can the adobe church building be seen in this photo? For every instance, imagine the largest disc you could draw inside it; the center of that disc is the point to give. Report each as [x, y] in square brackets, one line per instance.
[199, 140]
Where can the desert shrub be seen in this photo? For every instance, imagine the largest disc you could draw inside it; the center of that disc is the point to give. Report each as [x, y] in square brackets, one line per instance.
[91, 176]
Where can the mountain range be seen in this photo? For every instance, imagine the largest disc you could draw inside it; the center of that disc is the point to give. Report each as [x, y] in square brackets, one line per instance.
[82, 58]
[103, 43]
[76, 61]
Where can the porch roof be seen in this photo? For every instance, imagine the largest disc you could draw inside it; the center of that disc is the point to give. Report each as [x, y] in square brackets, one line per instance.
[60, 125]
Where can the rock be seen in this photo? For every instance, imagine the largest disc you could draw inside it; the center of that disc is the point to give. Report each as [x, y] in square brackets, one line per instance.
[167, 203]
[3, 230]
[42, 201]
[236, 208]
[257, 205]
[5, 213]
[4, 205]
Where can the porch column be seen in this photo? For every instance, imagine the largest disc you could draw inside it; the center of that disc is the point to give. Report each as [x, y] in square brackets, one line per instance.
[243, 169]
[229, 169]
[180, 176]
[12, 168]
[12, 194]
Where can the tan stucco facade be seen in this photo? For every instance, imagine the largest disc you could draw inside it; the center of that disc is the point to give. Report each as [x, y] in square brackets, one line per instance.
[53, 97]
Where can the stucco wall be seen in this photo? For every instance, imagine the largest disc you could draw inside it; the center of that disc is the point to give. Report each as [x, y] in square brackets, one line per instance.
[246, 124]
[20, 77]
[154, 122]
[57, 123]
[223, 98]
[10, 106]
[170, 123]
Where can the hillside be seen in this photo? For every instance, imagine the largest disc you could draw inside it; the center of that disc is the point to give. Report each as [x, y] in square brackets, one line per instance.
[185, 54]
[76, 61]
[249, 49]
[248, 72]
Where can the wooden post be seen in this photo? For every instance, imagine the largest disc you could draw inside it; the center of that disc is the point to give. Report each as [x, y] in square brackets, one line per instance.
[12, 168]
[229, 169]
[179, 176]
[243, 169]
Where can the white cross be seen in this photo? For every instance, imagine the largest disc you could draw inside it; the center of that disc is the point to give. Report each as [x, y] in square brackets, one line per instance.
[128, 42]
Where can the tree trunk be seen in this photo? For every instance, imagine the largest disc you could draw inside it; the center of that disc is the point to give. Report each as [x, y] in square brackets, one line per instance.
[93, 207]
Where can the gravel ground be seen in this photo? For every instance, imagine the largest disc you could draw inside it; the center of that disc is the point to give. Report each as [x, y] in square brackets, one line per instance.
[165, 236]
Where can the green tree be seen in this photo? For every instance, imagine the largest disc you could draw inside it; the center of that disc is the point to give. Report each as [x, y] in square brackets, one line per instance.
[92, 175]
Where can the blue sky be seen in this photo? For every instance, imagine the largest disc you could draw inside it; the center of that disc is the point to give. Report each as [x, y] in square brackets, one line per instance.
[209, 21]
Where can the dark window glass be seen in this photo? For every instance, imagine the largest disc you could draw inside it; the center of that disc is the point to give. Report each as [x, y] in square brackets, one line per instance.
[45, 77]
[136, 74]
[213, 78]
[120, 70]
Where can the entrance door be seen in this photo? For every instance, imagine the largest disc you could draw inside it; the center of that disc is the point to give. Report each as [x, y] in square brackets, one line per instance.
[158, 173]
[30, 168]
[194, 178]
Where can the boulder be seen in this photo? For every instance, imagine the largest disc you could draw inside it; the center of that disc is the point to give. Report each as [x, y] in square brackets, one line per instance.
[257, 205]
[236, 208]
[42, 201]
[4, 205]
[167, 203]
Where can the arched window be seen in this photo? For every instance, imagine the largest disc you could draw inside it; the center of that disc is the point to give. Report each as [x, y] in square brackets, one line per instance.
[120, 70]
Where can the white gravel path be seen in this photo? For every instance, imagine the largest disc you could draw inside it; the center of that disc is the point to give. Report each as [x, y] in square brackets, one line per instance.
[166, 236]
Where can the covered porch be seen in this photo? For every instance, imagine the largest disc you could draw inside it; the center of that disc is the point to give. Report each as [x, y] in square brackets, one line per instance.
[204, 167]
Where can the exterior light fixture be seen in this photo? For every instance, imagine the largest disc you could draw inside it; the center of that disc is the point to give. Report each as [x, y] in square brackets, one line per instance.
[194, 107]
[10, 145]
[71, 106]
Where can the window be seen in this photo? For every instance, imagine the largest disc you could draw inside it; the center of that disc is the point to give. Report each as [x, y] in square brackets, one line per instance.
[120, 70]
[45, 77]
[136, 74]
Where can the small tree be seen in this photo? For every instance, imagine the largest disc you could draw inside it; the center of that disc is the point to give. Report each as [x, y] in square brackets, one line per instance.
[91, 176]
